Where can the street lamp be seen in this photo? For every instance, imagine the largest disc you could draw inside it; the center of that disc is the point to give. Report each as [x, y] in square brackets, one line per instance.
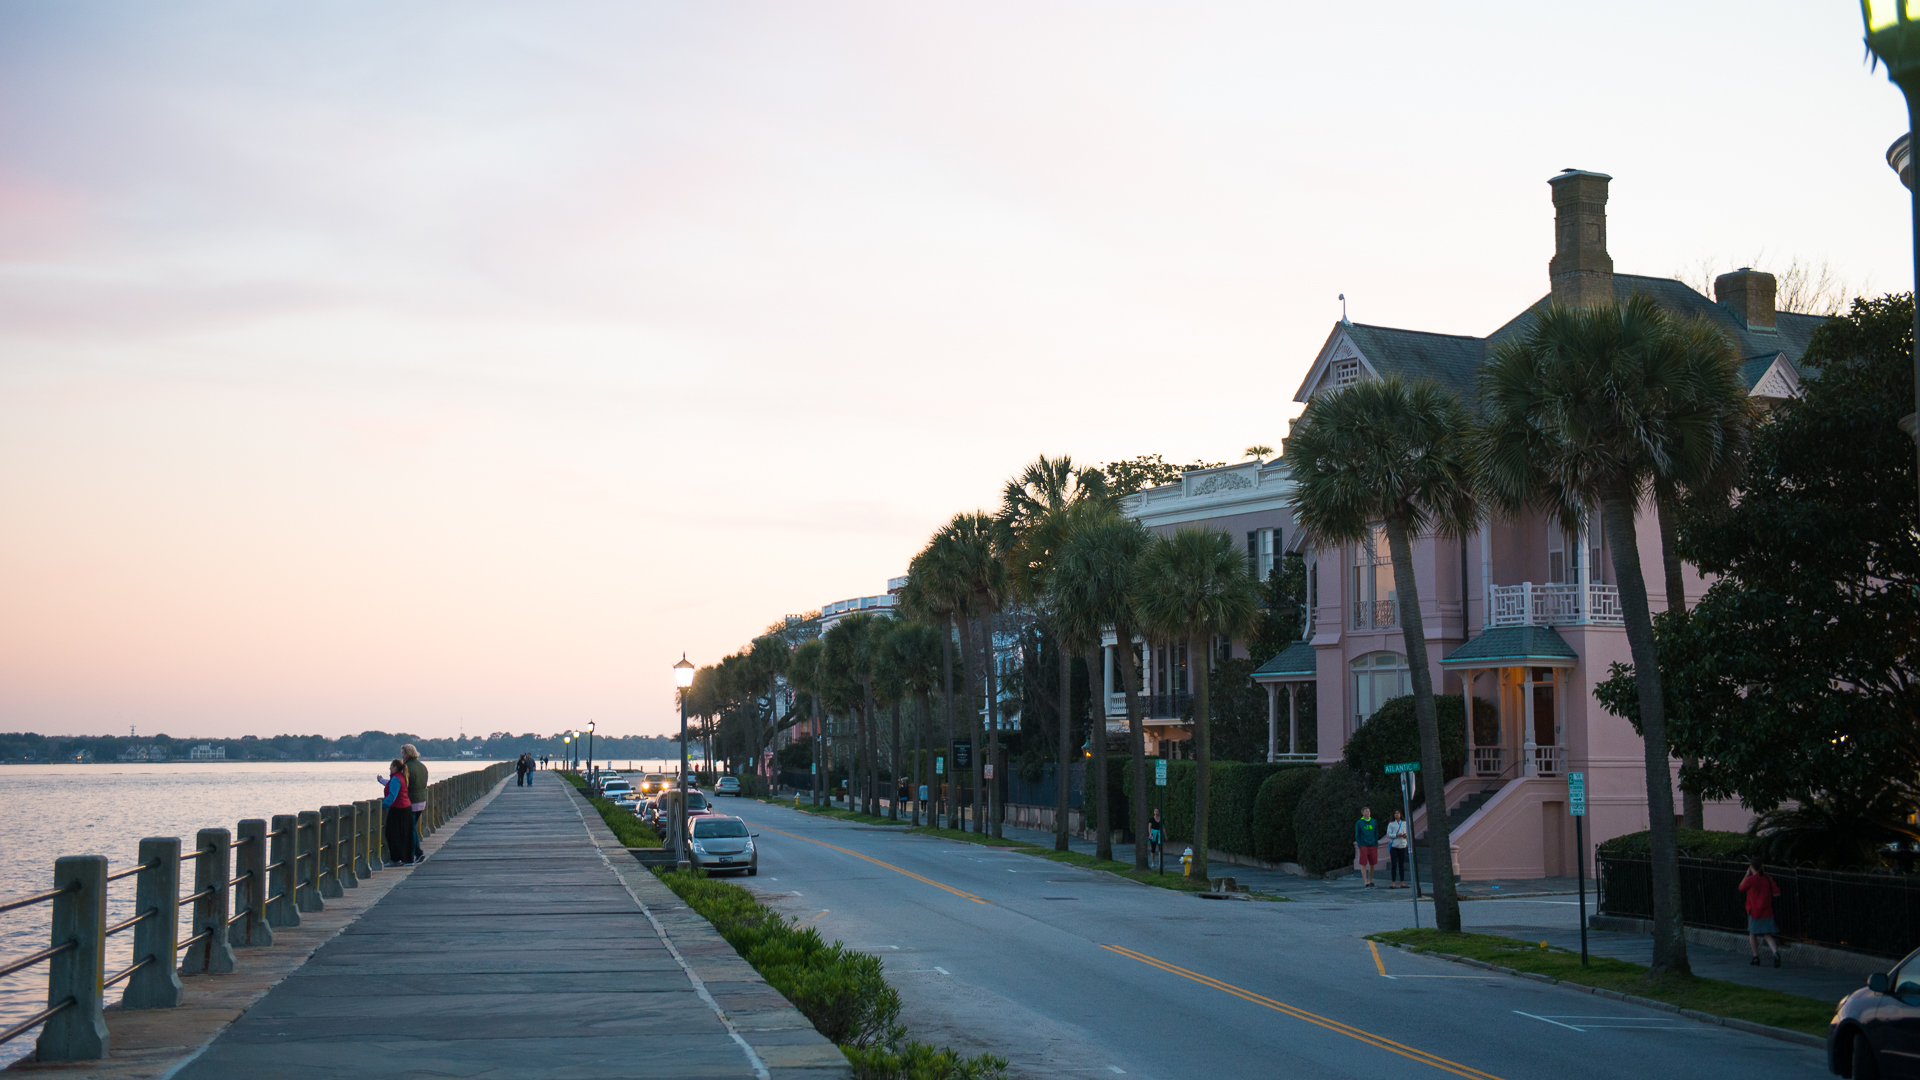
[566, 749]
[589, 749]
[682, 678]
[1893, 35]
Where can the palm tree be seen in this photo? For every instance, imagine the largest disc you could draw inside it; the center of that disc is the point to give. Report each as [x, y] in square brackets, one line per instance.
[804, 672]
[1395, 455]
[912, 669]
[946, 569]
[1093, 592]
[1037, 509]
[1593, 406]
[1194, 585]
[970, 546]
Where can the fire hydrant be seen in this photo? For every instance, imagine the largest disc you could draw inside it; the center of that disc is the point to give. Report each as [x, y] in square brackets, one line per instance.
[1186, 863]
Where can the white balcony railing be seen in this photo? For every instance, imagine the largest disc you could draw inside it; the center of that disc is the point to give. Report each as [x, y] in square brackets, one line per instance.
[1547, 760]
[1487, 761]
[1527, 604]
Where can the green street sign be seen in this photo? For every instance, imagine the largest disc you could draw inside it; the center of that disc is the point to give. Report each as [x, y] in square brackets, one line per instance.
[1405, 766]
[939, 766]
[1160, 772]
[1577, 794]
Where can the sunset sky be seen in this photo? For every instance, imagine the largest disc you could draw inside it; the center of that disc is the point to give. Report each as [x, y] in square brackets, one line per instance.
[449, 367]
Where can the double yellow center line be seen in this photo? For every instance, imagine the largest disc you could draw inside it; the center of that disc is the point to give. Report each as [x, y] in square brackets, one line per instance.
[886, 865]
[1349, 1031]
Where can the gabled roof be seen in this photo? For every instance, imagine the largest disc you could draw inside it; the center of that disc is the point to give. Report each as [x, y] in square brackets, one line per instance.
[1295, 663]
[1513, 646]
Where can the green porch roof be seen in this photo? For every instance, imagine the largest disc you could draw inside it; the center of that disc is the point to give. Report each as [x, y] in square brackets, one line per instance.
[1294, 664]
[1513, 646]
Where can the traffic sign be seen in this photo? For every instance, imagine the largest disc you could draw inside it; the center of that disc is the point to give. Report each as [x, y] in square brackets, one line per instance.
[940, 766]
[1405, 766]
[1577, 794]
[1160, 772]
[989, 770]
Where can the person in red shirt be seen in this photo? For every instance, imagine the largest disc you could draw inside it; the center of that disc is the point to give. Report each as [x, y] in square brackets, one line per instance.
[1759, 890]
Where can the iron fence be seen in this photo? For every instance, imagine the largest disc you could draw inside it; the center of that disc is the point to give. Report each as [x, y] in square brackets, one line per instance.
[1041, 792]
[1870, 913]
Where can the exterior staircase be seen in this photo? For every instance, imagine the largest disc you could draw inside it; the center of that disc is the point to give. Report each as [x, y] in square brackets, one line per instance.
[1466, 809]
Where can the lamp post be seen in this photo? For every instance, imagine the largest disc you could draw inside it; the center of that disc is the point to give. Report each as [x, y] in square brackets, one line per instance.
[589, 749]
[566, 749]
[1893, 35]
[682, 678]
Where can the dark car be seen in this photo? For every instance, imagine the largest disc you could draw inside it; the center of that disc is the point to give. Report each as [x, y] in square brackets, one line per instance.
[1875, 1033]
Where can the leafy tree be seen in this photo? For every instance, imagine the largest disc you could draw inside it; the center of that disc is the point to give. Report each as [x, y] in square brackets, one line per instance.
[1283, 610]
[1392, 735]
[1145, 471]
[1795, 678]
[1194, 586]
[1593, 406]
[1399, 456]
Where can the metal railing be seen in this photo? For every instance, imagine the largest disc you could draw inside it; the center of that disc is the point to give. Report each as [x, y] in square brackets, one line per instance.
[241, 890]
[1374, 614]
[1871, 913]
[1527, 604]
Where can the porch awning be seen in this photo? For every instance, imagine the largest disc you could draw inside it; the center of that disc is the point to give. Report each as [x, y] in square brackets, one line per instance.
[1513, 646]
[1294, 664]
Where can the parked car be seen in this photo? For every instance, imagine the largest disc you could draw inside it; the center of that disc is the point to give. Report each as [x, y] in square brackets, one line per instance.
[727, 785]
[719, 842]
[1875, 1032]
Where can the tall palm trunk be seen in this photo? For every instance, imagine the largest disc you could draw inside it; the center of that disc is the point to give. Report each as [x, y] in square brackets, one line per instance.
[813, 752]
[1413, 630]
[1137, 745]
[968, 663]
[1199, 660]
[1063, 778]
[996, 804]
[893, 768]
[923, 750]
[1094, 791]
[1669, 936]
[1693, 812]
[946, 696]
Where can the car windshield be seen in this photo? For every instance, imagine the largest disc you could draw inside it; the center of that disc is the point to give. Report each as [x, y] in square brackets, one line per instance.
[709, 828]
[696, 801]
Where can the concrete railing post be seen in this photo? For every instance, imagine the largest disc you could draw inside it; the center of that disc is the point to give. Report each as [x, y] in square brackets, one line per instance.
[284, 878]
[349, 845]
[307, 893]
[156, 893]
[362, 840]
[211, 955]
[329, 880]
[78, 1032]
[250, 895]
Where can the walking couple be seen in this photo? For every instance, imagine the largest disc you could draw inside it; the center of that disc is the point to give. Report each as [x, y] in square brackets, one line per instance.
[405, 800]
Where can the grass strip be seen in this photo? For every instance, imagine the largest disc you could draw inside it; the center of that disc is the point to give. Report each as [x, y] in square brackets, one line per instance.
[1714, 997]
[1170, 880]
[843, 993]
[835, 812]
[627, 828]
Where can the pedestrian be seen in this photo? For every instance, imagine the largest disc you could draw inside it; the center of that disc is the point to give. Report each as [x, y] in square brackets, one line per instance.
[417, 789]
[399, 813]
[1398, 848]
[1366, 844]
[1760, 891]
[1156, 834]
[522, 768]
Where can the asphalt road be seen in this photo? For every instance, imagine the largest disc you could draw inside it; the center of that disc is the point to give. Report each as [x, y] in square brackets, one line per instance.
[1071, 973]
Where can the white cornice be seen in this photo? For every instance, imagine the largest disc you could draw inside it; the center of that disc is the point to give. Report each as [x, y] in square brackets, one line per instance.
[1249, 487]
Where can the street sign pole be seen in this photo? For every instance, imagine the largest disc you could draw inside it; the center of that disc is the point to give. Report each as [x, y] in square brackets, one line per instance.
[1160, 781]
[1577, 806]
[1404, 771]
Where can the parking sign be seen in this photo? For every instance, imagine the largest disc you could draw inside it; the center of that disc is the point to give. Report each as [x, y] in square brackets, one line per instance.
[1577, 794]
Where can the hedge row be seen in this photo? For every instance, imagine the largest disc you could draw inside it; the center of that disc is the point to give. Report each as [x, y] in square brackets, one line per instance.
[844, 994]
[1233, 803]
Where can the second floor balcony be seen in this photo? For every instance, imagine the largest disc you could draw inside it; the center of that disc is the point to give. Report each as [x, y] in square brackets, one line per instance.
[1527, 604]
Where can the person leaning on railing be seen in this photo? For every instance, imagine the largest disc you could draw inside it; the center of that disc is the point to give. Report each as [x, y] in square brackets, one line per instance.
[417, 791]
[399, 814]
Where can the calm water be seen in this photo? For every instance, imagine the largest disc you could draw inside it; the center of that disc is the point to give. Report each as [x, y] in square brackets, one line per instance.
[51, 810]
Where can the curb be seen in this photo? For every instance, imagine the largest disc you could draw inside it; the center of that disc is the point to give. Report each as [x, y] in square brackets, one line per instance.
[1748, 1026]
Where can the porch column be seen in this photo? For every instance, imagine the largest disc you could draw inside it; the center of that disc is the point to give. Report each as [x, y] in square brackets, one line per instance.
[1466, 693]
[1526, 733]
[1293, 718]
[1586, 575]
[1106, 680]
[1486, 572]
[1273, 722]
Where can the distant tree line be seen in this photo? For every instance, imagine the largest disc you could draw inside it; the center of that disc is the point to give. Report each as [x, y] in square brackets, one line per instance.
[366, 746]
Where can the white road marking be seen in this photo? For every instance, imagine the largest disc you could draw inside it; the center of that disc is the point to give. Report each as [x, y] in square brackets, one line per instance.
[1543, 1019]
[1118, 1069]
[1617, 1023]
[943, 971]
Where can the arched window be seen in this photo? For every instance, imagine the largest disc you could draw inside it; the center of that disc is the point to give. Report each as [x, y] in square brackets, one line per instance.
[1378, 677]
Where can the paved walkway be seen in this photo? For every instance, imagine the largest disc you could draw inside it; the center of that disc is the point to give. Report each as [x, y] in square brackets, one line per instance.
[518, 951]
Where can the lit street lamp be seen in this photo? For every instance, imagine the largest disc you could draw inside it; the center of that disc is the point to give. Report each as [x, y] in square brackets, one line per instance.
[1893, 35]
[589, 749]
[566, 750]
[682, 678]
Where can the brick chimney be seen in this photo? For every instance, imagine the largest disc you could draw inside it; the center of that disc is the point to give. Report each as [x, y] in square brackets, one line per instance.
[1581, 270]
[1749, 293]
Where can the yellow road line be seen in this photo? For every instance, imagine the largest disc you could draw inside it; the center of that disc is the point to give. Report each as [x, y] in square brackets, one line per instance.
[1376, 957]
[1369, 1038]
[877, 862]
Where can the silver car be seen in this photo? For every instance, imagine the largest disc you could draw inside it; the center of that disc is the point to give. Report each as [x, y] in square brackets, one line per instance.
[719, 842]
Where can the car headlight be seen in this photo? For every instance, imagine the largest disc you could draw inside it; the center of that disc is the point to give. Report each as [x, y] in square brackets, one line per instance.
[697, 849]
[749, 846]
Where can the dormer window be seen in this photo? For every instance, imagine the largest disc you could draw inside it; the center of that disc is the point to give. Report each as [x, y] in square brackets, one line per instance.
[1343, 373]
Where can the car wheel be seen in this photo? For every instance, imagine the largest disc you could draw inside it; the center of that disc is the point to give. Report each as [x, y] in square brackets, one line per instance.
[1866, 1066]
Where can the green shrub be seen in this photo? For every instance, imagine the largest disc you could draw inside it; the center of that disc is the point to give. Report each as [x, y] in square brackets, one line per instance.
[1390, 735]
[1274, 838]
[1234, 789]
[1323, 823]
[627, 828]
[1693, 844]
[843, 994]
[918, 1061]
